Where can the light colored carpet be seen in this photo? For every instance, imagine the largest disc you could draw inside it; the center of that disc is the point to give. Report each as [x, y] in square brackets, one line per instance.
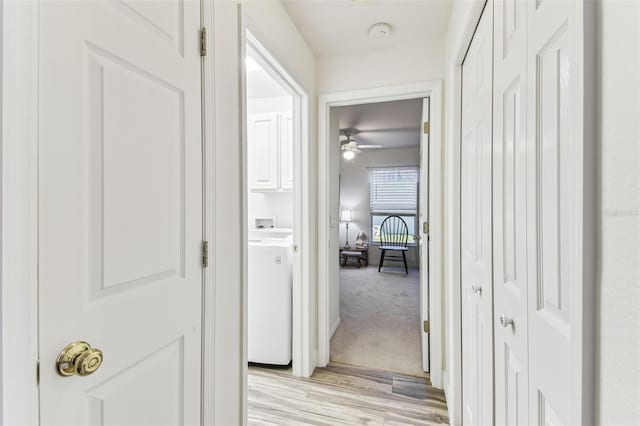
[379, 320]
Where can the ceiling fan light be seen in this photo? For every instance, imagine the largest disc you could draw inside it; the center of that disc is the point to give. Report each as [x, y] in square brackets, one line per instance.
[348, 155]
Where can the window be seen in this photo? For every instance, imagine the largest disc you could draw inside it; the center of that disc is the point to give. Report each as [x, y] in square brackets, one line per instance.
[393, 190]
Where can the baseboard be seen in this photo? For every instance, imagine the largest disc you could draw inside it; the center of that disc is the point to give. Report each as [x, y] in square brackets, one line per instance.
[445, 384]
[450, 407]
[314, 362]
[334, 327]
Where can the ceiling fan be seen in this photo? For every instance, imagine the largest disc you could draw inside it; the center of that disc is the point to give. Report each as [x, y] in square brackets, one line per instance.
[350, 147]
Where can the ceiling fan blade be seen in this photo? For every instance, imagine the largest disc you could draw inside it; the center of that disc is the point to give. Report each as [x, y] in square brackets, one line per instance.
[356, 150]
[369, 146]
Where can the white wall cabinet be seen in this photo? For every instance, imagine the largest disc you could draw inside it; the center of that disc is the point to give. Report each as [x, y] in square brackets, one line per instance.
[523, 204]
[270, 152]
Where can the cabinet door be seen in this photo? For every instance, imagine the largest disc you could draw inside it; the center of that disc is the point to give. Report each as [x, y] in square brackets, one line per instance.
[477, 285]
[262, 152]
[286, 150]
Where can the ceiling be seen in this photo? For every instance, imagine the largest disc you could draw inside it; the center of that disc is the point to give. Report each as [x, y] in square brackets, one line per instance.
[393, 124]
[341, 27]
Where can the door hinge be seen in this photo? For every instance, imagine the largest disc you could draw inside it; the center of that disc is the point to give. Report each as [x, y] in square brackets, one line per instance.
[294, 248]
[205, 254]
[38, 372]
[425, 326]
[427, 127]
[425, 228]
[203, 41]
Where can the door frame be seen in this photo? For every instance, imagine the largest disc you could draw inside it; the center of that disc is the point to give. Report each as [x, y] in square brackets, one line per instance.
[18, 214]
[428, 89]
[299, 357]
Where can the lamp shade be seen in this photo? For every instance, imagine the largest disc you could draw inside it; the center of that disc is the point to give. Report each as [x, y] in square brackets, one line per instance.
[345, 216]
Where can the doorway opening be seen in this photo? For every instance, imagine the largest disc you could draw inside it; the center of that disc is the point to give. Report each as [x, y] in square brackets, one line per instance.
[376, 306]
[346, 304]
[272, 214]
[269, 133]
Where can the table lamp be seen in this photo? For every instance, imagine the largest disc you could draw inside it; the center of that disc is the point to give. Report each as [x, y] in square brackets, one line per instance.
[346, 217]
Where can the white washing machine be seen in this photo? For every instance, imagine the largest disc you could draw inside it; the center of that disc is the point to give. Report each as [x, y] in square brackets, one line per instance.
[270, 284]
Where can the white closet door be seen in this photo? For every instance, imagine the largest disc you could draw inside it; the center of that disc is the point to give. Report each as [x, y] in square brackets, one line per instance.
[120, 213]
[554, 193]
[509, 212]
[477, 337]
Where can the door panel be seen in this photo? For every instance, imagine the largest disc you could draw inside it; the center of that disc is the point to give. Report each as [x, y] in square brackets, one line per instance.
[476, 157]
[120, 210]
[509, 212]
[554, 194]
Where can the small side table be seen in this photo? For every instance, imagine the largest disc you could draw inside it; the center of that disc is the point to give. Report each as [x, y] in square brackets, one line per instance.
[361, 253]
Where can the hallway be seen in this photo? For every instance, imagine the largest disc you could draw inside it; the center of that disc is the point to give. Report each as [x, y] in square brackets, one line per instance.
[342, 395]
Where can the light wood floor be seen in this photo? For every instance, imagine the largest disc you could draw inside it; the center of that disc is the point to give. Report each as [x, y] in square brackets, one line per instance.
[343, 395]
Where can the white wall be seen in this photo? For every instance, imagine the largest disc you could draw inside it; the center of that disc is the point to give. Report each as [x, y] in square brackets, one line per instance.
[618, 295]
[266, 205]
[406, 64]
[354, 192]
[272, 27]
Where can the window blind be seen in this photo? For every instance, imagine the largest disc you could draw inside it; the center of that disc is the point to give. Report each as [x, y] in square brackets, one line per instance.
[393, 189]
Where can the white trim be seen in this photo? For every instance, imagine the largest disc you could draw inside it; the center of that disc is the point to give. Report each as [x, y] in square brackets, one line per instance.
[433, 90]
[209, 181]
[584, 353]
[19, 200]
[334, 327]
[225, 368]
[445, 388]
[303, 363]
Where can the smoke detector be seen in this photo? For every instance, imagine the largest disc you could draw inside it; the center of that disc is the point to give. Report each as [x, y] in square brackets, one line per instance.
[380, 30]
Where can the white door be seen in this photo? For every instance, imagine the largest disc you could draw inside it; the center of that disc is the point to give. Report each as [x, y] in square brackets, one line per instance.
[423, 241]
[510, 273]
[286, 149]
[262, 151]
[554, 152]
[477, 333]
[120, 211]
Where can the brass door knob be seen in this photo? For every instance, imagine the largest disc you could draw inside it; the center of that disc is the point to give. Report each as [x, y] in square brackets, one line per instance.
[78, 358]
